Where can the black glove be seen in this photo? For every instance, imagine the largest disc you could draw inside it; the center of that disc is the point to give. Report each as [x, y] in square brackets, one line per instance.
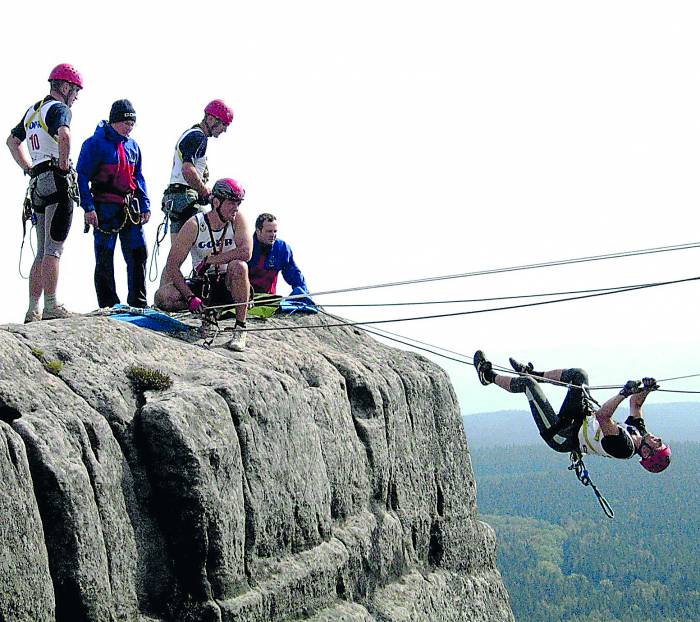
[631, 387]
[650, 384]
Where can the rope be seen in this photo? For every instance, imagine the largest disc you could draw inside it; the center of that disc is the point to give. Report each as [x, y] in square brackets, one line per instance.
[161, 234]
[474, 311]
[432, 349]
[561, 262]
[494, 298]
[579, 468]
[21, 252]
[545, 264]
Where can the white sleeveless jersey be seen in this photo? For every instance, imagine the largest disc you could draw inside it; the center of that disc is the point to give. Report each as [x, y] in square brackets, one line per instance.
[41, 145]
[203, 247]
[590, 437]
[200, 164]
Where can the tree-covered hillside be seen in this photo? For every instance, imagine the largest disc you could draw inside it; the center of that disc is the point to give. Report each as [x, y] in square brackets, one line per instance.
[563, 560]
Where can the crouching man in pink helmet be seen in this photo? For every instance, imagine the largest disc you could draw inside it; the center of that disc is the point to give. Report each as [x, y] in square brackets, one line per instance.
[579, 427]
[188, 179]
[220, 243]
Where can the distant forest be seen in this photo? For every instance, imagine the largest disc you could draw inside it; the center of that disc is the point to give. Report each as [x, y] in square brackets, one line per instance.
[563, 560]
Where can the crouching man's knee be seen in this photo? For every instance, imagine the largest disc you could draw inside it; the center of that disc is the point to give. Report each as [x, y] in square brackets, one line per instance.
[237, 268]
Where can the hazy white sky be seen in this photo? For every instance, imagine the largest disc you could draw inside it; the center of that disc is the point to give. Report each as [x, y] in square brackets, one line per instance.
[396, 140]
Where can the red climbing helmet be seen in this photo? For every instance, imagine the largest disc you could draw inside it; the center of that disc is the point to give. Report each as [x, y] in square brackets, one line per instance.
[228, 188]
[67, 73]
[657, 460]
[219, 110]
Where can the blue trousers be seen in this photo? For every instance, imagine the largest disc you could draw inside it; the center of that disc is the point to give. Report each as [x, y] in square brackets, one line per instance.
[133, 243]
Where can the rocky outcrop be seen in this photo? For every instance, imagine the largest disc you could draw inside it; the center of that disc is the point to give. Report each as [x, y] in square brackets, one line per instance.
[318, 475]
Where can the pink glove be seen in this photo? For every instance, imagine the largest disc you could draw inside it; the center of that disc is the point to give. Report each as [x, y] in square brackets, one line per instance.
[195, 304]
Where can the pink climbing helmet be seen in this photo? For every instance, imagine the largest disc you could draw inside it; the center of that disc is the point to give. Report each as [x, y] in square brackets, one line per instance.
[219, 110]
[228, 188]
[67, 73]
[658, 460]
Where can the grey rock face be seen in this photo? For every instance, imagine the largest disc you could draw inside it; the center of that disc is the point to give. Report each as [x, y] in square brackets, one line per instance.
[318, 475]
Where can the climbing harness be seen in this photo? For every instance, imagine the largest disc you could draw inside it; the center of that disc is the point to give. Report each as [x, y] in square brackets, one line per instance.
[132, 214]
[579, 468]
[27, 215]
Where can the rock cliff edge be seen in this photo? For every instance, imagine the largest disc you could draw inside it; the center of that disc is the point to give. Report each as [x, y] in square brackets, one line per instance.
[319, 475]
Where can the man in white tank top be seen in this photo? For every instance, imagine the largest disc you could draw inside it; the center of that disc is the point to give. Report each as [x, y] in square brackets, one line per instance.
[579, 427]
[46, 128]
[220, 243]
[188, 178]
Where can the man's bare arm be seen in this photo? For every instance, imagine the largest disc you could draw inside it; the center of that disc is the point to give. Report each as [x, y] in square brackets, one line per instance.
[191, 175]
[19, 153]
[178, 253]
[63, 147]
[605, 415]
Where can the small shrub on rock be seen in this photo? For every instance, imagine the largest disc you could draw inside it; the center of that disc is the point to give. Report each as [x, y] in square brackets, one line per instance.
[145, 379]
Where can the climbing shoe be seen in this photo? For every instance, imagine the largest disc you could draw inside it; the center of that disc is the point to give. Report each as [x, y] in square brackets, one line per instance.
[32, 316]
[523, 370]
[56, 312]
[238, 340]
[483, 368]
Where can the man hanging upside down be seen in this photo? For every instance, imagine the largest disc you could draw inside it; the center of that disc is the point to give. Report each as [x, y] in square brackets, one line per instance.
[579, 427]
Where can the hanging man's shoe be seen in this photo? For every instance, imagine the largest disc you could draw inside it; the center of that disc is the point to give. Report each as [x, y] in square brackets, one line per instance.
[483, 368]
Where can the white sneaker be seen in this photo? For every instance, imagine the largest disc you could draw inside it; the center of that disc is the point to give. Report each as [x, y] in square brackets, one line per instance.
[237, 343]
[32, 316]
[56, 312]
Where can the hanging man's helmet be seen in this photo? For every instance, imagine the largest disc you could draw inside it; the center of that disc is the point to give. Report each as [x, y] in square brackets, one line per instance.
[228, 188]
[67, 73]
[219, 110]
[657, 460]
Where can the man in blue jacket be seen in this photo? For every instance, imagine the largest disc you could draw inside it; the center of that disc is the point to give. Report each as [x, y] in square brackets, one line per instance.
[113, 195]
[270, 257]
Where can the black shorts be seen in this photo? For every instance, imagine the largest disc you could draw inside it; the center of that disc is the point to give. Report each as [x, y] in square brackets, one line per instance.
[212, 291]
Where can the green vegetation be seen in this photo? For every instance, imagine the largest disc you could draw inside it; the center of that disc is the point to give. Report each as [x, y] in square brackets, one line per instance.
[52, 366]
[146, 379]
[562, 560]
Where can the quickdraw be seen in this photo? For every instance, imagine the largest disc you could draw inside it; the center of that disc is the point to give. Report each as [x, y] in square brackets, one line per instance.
[73, 190]
[209, 330]
[579, 468]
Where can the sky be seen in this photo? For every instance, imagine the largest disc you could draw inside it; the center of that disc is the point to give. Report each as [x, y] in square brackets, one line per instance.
[404, 140]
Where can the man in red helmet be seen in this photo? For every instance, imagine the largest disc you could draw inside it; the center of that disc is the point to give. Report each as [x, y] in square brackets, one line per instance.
[188, 180]
[46, 128]
[220, 243]
[579, 427]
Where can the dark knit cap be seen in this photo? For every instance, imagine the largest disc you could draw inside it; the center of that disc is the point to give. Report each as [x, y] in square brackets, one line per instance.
[122, 110]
